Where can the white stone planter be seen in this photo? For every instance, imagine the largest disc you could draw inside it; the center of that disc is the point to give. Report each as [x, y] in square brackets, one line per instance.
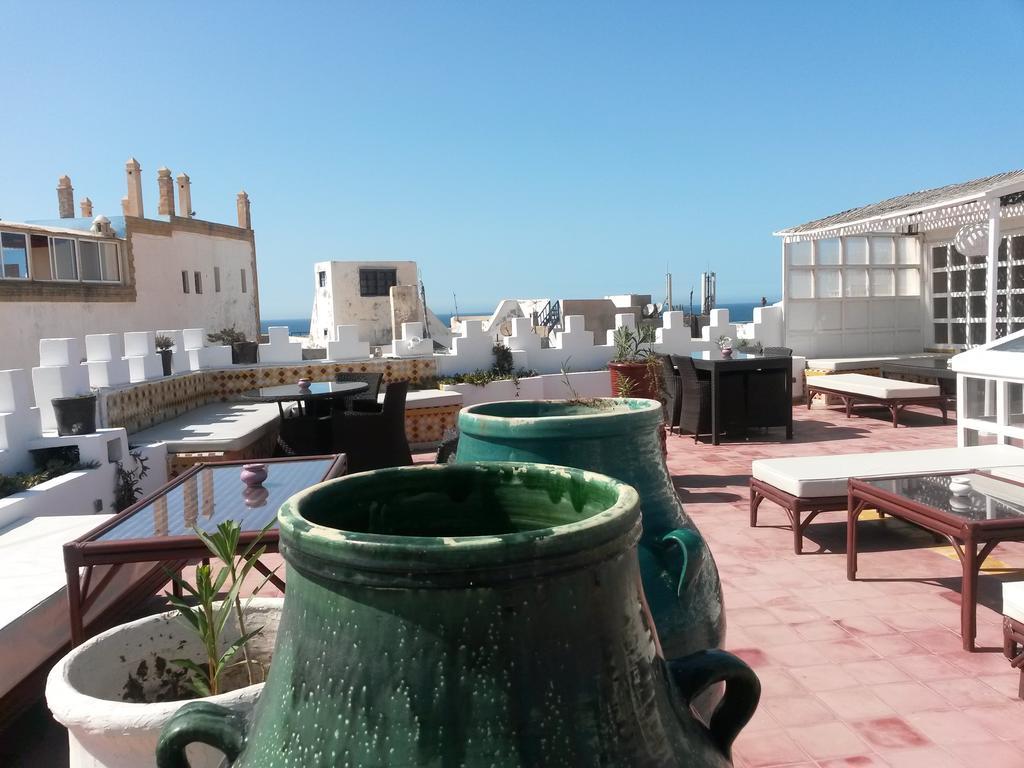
[84, 689]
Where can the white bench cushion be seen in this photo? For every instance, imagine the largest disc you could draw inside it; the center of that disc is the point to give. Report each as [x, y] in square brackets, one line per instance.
[820, 476]
[874, 386]
[1013, 600]
[213, 427]
[33, 590]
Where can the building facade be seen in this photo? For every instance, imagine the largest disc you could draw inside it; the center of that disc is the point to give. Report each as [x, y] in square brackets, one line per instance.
[909, 273]
[75, 276]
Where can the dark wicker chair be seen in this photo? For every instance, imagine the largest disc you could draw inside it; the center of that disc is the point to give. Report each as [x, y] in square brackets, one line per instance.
[694, 399]
[374, 440]
[670, 400]
[777, 352]
[364, 401]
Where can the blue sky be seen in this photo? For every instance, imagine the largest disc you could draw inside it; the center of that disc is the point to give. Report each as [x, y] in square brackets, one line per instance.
[522, 149]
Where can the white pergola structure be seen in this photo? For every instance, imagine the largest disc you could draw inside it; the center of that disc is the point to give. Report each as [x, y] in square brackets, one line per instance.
[938, 269]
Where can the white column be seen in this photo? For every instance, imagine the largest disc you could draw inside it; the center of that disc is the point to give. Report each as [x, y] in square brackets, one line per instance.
[994, 239]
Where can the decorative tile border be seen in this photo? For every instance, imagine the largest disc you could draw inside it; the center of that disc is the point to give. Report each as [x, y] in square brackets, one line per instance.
[427, 425]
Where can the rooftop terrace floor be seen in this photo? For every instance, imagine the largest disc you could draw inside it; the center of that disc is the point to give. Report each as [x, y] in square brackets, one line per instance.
[865, 673]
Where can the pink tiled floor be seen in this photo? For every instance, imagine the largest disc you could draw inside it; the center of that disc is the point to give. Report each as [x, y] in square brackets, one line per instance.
[865, 673]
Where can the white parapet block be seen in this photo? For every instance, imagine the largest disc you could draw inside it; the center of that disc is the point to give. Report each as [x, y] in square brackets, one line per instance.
[105, 353]
[201, 356]
[347, 345]
[280, 349]
[60, 374]
[19, 421]
[140, 353]
[412, 343]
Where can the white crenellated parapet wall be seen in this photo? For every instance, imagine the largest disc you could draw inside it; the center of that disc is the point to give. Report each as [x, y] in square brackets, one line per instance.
[280, 349]
[347, 345]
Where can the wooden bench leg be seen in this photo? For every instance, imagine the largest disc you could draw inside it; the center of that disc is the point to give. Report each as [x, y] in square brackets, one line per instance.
[755, 501]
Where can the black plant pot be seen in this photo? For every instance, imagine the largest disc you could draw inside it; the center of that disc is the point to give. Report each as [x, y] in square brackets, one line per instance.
[244, 352]
[75, 415]
[165, 358]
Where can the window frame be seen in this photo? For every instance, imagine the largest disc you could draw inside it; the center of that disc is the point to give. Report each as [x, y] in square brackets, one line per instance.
[376, 272]
[26, 237]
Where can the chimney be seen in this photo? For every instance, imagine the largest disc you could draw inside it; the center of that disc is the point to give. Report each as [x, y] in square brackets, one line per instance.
[166, 186]
[133, 172]
[185, 195]
[86, 206]
[126, 207]
[65, 198]
[244, 217]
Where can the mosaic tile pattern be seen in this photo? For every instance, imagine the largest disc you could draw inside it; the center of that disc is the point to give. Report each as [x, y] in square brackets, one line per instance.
[427, 425]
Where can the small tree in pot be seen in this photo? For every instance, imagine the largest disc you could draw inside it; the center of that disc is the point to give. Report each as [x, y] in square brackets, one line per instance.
[242, 351]
[163, 348]
[634, 368]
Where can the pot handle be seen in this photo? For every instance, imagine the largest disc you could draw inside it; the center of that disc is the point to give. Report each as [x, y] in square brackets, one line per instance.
[690, 547]
[200, 721]
[695, 673]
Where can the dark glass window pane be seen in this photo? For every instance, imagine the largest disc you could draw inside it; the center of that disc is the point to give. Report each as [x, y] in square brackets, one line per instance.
[376, 282]
[14, 249]
[941, 333]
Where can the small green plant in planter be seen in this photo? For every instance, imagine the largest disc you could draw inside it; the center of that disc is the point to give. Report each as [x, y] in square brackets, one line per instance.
[634, 367]
[163, 348]
[242, 350]
[227, 336]
[212, 610]
[128, 482]
[163, 342]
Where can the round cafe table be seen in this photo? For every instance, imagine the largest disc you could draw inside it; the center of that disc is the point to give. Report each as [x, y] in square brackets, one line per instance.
[316, 391]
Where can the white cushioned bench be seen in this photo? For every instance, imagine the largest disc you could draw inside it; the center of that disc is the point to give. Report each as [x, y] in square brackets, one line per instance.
[893, 394]
[1013, 628]
[213, 428]
[34, 623]
[816, 484]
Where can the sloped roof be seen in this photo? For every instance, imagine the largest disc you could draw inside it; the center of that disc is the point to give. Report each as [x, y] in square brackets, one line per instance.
[915, 201]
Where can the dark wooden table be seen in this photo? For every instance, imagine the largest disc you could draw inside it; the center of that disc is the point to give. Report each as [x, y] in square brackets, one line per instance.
[160, 528]
[751, 367]
[317, 390]
[974, 521]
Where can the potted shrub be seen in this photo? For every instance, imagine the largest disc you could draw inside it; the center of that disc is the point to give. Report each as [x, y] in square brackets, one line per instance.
[75, 415]
[243, 352]
[634, 368]
[115, 692]
[163, 348]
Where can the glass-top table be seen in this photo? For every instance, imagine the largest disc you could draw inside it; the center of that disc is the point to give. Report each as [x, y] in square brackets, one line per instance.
[317, 390]
[974, 511]
[161, 527]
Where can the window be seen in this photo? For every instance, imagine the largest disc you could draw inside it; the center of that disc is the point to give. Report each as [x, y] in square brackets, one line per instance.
[376, 282]
[828, 251]
[199, 281]
[13, 256]
[216, 279]
[89, 259]
[243, 279]
[65, 265]
[110, 262]
[184, 281]
[322, 278]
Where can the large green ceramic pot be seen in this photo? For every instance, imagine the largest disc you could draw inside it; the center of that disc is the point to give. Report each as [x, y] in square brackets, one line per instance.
[621, 438]
[474, 615]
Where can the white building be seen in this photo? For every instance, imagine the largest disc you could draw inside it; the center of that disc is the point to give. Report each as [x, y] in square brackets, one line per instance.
[70, 276]
[376, 296]
[908, 273]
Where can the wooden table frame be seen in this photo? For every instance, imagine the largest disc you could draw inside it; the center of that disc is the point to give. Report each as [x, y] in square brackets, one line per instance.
[1013, 649]
[173, 551]
[895, 405]
[965, 536]
[750, 364]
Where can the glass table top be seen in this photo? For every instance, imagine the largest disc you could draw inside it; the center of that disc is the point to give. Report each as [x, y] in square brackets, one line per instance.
[315, 389]
[717, 355]
[972, 496]
[216, 494]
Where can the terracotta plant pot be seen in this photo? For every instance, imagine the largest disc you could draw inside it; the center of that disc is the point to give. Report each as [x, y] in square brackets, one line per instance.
[620, 438]
[635, 380]
[471, 615]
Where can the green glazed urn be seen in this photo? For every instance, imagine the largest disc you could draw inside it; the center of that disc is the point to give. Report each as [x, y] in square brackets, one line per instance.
[621, 438]
[476, 615]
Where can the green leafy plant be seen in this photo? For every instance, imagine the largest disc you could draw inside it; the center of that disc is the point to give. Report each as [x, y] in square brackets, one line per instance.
[128, 482]
[209, 616]
[22, 481]
[633, 345]
[227, 336]
[748, 345]
[502, 369]
[164, 342]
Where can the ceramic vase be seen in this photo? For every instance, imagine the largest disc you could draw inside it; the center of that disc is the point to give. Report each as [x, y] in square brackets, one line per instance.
[470, 615]
[621, 438]
[253, 475]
